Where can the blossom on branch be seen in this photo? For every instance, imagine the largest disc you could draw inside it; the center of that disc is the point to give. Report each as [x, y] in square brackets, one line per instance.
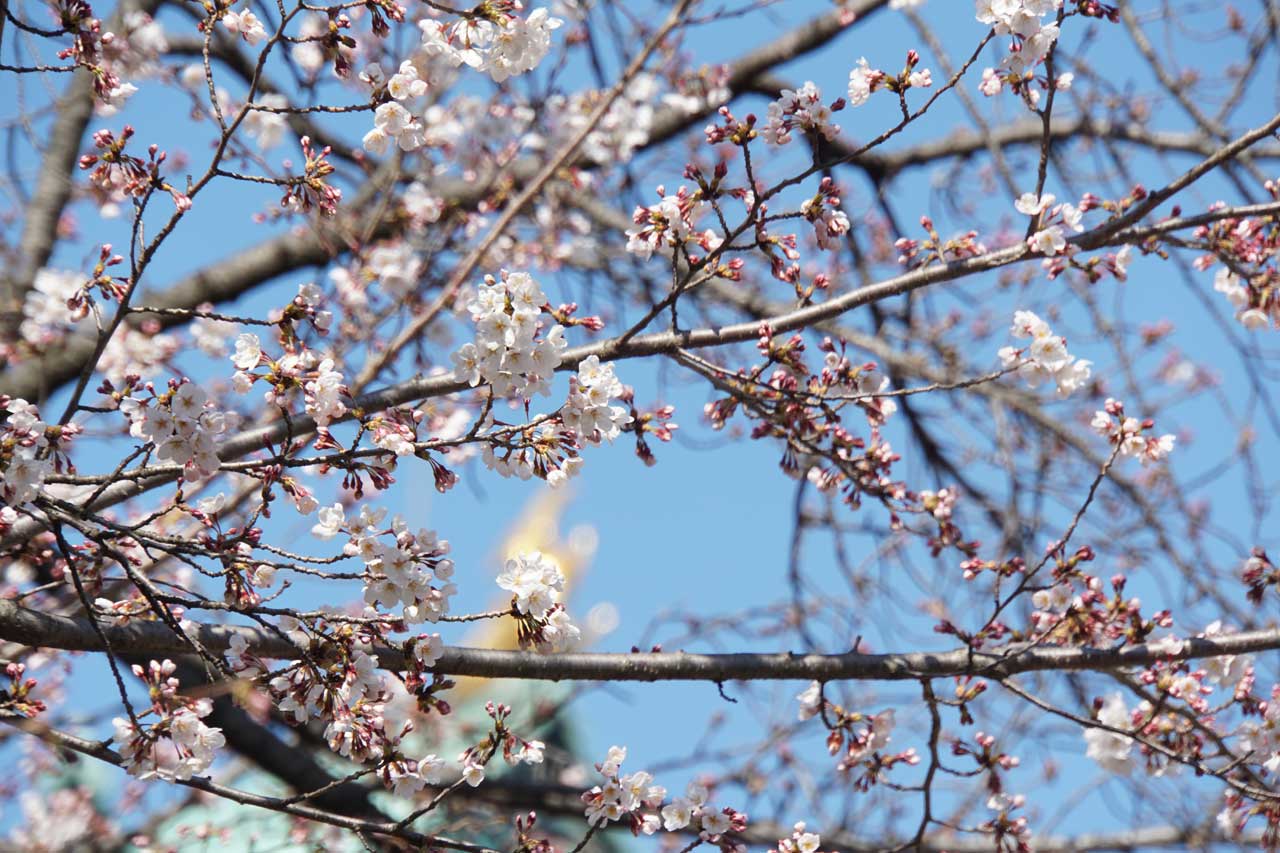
[1046, 358]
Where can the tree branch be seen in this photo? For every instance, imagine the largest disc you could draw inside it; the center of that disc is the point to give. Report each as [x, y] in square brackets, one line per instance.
[44, 630]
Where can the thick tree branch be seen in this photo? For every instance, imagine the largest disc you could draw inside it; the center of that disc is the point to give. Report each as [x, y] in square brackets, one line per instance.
[32, 628]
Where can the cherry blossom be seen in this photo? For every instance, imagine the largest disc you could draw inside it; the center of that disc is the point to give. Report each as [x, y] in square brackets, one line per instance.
[1046, 359]
[510, 353]
[534, 581]
[324, 394]
[863, 80]
[810, 701]
[178, 745]
[246, 24]
[588, 411]
[803, 110]
[410, 570]
[1129, 434]
[24, 463]
[1112, 750]
[183, 424]
[668, 224]
[536, 584]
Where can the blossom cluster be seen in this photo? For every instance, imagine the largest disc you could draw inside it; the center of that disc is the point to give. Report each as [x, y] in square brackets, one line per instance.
[589, 411]
[1161, 736]
[1112, 750]
[324, 394]
[1261, 738]
[1241, 297]
[864, 80]
[183, 424]
[1050, 239]
[1046, 358]
[24, 451]
[126, 610]
[129, 51]
[515, 749]
[178, 745]
[348, 692]
[802, 110]
[546, 451]
[788, 400]
[511, 354]
[409, 570]
[1008, 832]
[801, 840]
[244, 24]
[405, 777]
[508, 353]
[634, 799]
[367, 713]
[1130, 434]
[502, 44]
[1032, 39]
[536, 584]
[669, 224]
[1226, 671]
[1077, 608]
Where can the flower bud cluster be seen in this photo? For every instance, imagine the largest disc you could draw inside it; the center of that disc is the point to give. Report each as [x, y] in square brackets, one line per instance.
[858, 738]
